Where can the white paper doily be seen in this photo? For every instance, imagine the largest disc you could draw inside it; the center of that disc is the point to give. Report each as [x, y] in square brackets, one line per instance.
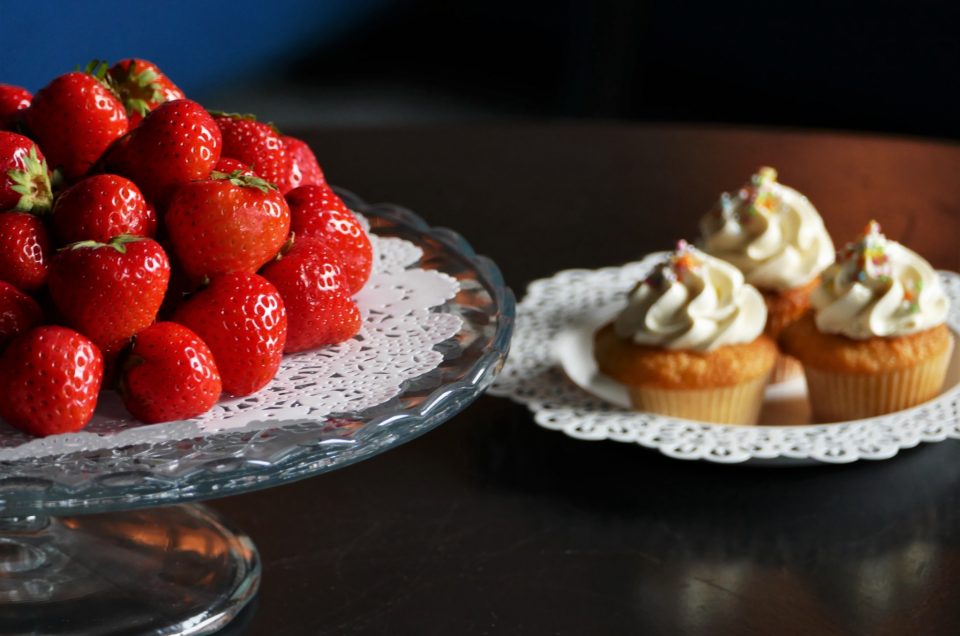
[396, 343]
[559, 305]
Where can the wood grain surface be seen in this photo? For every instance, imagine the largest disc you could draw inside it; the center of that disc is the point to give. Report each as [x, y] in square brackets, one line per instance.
[491, 525]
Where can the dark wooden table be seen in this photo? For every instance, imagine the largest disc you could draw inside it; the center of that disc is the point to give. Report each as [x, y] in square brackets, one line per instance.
[492, 525]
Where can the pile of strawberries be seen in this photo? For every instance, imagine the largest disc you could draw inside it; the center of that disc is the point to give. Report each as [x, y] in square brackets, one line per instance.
[153, 246]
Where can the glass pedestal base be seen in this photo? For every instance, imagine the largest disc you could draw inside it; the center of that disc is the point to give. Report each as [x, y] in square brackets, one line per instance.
[167, 570]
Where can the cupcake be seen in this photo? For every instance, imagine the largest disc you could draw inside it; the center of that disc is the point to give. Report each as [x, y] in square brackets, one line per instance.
[876, 341]
[690, 341]
[775, 236]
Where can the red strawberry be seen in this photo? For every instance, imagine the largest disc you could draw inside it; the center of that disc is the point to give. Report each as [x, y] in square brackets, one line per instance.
[75, 118]
[226, 165]
[49, 381]
[110, 291]
[230, 223]
[101, 207]
[242, 319]
[254, 144]
[24, 251]
[24, 178]
[13, 100]
[320, 310]
[317, 211]
[18, 313]
[176, 143]
[169, 374]
[304, 169]
[142, 87]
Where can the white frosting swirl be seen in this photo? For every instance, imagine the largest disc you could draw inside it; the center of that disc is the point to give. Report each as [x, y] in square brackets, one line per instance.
[692, 301]
[771, 232]
[878, 288]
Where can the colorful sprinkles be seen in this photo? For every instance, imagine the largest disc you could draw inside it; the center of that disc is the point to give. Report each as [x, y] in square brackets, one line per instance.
[751, 198]
[911, 295]
[869, 255]
[682, 259]
[871, 262]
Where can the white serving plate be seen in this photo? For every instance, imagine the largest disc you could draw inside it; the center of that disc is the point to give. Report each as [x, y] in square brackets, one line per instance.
[551, 369]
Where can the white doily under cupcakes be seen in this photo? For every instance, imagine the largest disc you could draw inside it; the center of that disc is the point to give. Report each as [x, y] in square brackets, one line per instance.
[558, 309]
[401, 329]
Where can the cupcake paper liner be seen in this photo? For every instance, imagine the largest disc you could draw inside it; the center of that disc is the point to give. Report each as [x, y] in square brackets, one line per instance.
[846, 396]
[785, 368]
[737, 404]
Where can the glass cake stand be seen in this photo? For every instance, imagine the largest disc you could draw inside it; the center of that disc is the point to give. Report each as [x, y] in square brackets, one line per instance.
[90, 542]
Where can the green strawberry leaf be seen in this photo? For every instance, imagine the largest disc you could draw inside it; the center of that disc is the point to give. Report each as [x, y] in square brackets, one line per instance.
[237, 178]
[222, 113]
[140, 106]
[139, 89]
[32, 184]
[82, 245]
[118, 243]
[98, 70]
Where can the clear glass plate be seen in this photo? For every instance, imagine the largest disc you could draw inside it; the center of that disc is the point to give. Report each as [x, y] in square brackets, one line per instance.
[179, 470]
[77, 558]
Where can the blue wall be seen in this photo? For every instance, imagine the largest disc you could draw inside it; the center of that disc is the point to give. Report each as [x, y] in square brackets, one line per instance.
[198, 44]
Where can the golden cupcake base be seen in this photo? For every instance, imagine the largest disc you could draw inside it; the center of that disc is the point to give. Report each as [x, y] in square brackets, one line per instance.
[737, 404]
[848, 396]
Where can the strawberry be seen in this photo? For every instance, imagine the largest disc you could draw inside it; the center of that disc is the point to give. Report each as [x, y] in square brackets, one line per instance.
[142, 87]
[101, 207]
[18, 313]
[311, 282]
[254, 144]
[169, 374]
[75, 118]
[24, 178]
[13, 100]
[227, 165]
[49, 381]
[317, 211]
[24, 251]
[229, 223]
[304, 169]
[110, 291]
[242, 319]
[176, 143]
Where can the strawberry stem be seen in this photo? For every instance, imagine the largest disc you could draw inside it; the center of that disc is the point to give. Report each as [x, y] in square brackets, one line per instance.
[138, 90]
[237, 178]
[98, 70]
[223, 113]
[118, 243]
[32, 184]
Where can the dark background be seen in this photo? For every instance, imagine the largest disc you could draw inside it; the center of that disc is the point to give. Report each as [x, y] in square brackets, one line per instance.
[491, 522]
[837, 65]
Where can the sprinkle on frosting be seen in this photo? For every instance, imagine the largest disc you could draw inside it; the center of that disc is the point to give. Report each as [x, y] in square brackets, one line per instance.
[771, 232]
[868, 251]
[692, 301]
[683, 257]
[761, 196]
[878, 288]
[681, 260]
[750, 200]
